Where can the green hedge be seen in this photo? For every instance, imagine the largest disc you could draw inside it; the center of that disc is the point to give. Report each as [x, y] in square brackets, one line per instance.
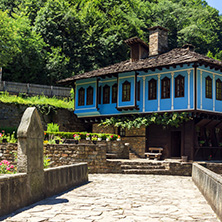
[69, 135]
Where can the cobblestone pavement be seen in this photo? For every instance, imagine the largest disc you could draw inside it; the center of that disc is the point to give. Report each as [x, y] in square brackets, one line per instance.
[124, 198]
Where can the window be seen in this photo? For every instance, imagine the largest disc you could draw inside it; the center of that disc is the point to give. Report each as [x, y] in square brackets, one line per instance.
[165, 88]
[218, 89]
[99, 95]
[114, 93]
[152, 89]
[138, 91]
[106, 94]
[126, 91]
[208, 87]
[81, 97]
[121, 131]
[179, 86]
[89, 95]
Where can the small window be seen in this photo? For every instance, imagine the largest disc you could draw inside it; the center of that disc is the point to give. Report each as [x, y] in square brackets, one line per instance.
[152, 89]
[126, 91]
[106, 94]
[89, 95]
[138, 91]
[218, 89]
[165, 88]
[208, 87]
[99, 95]
[81, 97]
[179, 86]
[121, 131]
[114, 93]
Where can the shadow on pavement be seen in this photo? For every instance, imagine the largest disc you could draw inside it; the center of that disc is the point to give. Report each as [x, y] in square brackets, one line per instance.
[47, 201]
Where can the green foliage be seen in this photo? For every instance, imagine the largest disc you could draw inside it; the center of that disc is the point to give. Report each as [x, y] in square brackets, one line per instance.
[43, 103]
[52, 127]
[172, 119]
[46, 162]
[69, 135]
[9, 137]
[47, 40]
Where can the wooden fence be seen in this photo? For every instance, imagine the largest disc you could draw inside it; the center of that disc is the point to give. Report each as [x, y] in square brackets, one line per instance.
[34, 89]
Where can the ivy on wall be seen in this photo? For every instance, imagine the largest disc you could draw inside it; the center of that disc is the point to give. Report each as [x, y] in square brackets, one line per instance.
[174, 119]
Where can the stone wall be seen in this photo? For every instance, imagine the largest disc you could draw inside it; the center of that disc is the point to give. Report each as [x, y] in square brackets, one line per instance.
[59, 179]
[94, 155]
[135, 137]
[11, 114]
[63, 154]
[210, 185]
[14, 189]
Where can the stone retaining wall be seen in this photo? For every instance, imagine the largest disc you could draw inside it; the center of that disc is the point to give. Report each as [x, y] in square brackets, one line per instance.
[135, 137]
[14, 189]
[64, 154]
[210, 184]
[94, 155]
[11, 114]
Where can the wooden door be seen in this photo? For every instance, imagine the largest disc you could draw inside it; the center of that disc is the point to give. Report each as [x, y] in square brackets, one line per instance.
[176, 144]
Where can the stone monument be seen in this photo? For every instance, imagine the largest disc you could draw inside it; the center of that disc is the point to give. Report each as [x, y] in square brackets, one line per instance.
[30, 152]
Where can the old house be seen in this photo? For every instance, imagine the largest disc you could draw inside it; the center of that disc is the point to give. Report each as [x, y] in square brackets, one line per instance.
[156, 80]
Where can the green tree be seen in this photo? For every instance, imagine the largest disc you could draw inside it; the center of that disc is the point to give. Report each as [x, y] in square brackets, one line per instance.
[8, 38]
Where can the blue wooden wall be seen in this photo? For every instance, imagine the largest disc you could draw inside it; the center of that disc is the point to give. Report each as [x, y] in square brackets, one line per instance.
[145, 105]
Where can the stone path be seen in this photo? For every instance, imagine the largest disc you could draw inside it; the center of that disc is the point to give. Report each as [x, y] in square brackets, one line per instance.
[124, 198]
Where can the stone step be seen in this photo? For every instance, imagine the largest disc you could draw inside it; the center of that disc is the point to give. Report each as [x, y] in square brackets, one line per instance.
[151, 163]
[148, 166]
[111, 156]
[146, 171]
[132, 156]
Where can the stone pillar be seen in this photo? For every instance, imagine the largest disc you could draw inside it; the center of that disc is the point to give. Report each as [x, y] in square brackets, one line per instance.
[30, 152]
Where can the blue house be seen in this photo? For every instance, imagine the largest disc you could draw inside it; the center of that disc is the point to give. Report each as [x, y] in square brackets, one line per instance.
[156, 80]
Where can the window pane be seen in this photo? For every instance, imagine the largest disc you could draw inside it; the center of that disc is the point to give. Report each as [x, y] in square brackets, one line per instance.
[89, 96]
[208, 87]
[165, 88]
[179, 86]
[106, 94]
[152, 89]
[81, 97]
[126, 91]
[114, 93]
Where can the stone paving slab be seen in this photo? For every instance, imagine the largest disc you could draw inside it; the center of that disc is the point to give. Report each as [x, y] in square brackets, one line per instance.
[124, 198]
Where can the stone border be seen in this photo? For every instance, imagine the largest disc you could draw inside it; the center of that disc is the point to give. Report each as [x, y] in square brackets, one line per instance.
[210, 185]
[15, 190]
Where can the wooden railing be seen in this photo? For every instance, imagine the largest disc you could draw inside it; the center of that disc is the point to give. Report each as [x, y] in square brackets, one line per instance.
[34, 89]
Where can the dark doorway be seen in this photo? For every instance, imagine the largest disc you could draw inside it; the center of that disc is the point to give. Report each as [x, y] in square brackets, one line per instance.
[176, 144]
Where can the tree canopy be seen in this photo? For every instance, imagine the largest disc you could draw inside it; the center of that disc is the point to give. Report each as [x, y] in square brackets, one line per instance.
[43, 41]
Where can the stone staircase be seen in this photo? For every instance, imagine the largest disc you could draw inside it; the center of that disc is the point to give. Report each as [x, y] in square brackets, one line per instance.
[152, 167]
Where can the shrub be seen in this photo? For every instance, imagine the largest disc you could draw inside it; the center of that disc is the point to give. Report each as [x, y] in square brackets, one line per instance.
[6, 167]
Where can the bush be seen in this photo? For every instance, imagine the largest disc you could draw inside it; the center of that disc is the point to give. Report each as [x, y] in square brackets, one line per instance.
[69, 135]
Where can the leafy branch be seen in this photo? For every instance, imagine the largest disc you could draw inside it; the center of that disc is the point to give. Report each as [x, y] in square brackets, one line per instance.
[172, 119]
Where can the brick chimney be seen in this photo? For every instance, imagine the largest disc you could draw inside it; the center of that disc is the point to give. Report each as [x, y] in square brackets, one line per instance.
[158, 40]
[139, 49]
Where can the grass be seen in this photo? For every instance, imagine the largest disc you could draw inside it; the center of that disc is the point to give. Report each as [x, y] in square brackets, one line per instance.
[37, 100]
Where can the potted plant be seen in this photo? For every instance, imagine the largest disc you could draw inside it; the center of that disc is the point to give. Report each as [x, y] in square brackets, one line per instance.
[201, 142]
[87, 136]
[57, 139]
[100, 137]
[76, 138]
[118, 138]
[94, 139]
